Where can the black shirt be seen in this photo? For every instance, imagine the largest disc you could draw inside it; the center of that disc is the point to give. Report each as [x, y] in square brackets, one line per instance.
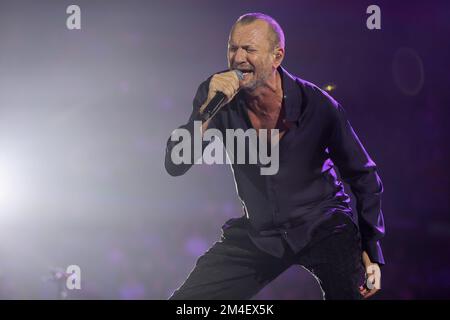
[306, 190]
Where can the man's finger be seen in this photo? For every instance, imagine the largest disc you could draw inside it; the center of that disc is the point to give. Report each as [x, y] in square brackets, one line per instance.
[363, 291]
[371, 293]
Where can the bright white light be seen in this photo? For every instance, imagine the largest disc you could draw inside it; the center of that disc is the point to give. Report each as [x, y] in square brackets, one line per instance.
[11, 185]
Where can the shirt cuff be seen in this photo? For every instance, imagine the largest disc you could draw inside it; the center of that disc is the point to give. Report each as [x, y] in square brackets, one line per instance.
[373, 249]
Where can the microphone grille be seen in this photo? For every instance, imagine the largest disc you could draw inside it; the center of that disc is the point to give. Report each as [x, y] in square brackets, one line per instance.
[239, 74]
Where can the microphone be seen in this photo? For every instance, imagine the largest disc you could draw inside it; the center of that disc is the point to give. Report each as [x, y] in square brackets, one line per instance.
[217, 101]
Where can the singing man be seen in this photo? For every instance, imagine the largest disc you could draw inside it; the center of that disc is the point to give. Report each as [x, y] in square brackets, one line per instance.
[301, 214]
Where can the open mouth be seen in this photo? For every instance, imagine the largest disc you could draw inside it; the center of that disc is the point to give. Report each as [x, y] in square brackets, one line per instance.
[246, 72]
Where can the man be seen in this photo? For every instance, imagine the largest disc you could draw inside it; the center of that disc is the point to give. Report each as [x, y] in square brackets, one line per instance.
[300, 215]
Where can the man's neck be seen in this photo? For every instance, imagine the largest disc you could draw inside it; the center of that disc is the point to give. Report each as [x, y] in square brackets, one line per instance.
[266, 99]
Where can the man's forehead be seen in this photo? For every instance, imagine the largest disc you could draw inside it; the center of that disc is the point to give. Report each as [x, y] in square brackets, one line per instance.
[252, 33]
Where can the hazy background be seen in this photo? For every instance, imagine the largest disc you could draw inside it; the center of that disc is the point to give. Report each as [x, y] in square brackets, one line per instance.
[85, 115]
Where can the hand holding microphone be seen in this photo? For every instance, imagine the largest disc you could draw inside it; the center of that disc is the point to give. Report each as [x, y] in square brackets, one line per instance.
[222, 89]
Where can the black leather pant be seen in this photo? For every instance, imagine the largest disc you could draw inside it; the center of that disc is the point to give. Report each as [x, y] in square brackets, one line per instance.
[235, 269]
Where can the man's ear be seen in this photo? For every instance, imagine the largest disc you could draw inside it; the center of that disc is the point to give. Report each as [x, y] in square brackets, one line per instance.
[279, 56]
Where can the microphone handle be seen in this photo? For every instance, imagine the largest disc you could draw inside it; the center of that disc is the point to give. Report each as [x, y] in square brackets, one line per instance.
[213, 106]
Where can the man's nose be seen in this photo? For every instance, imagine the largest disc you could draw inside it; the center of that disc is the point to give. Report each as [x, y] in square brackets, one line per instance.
[240, 56]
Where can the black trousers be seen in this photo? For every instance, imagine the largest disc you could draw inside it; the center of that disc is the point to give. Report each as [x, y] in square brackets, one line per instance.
[235, 269]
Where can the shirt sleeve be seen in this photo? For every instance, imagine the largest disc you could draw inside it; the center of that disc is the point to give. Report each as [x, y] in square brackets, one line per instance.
[359, 171]
[177, 169]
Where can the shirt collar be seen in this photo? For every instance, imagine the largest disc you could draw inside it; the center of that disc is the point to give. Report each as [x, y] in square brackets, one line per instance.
[291, 95]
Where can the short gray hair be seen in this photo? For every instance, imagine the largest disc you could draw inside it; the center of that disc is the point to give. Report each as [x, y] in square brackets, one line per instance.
[277, 34]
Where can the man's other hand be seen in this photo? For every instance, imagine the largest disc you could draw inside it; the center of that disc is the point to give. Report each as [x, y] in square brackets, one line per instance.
[373, 281]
